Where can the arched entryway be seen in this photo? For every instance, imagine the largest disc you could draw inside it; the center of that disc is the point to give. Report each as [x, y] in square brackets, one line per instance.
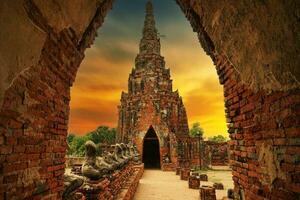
[151, 153]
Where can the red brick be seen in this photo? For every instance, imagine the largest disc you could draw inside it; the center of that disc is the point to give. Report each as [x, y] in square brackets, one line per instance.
[293, 150]
[10, 179]
[248, 107]
[287, 167]
[1, 140]
[280, 141]
[5, 149]
[54, 168]
[19, 149]
[253, 174]
[292, 132]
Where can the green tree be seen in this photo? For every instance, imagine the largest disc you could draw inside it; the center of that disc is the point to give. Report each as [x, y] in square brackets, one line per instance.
[102, 134]
[218, 138]
[70, 138]
[196, 130]
[77, 145]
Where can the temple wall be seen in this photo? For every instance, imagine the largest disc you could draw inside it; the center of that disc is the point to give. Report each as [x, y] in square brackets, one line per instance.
[35, 95]
[264, 132]
[216, 153]
[261, 89]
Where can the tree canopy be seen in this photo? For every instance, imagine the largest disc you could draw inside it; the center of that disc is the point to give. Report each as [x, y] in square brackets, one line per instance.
[218, 138]
[196, 130]
[102, 135]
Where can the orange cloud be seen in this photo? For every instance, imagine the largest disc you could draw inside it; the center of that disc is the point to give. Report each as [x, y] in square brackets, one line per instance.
[88, 114]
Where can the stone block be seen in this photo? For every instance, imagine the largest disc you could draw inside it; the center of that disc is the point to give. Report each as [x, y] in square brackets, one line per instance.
[194, 182]
[203, 177]
[207, 193]
[218, 186]
[230, 193]
[184, 174]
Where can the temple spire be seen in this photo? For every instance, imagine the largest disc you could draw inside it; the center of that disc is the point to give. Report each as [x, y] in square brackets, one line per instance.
[150, 43]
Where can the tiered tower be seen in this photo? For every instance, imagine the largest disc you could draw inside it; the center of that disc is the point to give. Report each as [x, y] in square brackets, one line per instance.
[150, 101]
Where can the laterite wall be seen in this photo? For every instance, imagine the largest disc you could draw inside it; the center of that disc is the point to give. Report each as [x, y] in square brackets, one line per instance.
[35, 107]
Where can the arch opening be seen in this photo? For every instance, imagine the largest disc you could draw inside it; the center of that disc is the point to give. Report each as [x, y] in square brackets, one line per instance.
[151, 153]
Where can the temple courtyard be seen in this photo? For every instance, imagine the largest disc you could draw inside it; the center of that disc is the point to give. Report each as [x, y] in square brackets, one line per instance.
[157, 184]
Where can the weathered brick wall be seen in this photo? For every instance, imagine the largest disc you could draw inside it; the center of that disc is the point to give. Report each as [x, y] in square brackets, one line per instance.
[129, 189]
[265, 136]
[218, 153]
[35, 110]
[188, 151]
[263, 125]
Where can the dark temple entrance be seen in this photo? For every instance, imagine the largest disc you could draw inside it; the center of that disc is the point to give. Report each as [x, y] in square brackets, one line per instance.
[151, 154]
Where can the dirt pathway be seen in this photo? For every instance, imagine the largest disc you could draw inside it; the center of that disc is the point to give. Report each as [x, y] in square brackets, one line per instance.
[159, 185]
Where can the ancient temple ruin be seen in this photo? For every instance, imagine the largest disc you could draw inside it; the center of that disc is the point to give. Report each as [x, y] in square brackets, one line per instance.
[151, 114]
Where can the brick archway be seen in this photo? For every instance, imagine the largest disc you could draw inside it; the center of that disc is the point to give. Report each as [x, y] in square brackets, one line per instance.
[261, 98]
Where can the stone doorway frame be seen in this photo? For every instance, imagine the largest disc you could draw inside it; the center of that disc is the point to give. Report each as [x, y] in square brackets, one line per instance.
[159, 142]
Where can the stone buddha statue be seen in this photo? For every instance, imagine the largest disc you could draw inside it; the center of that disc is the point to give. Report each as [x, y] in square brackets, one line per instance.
[71, 184]
[109, 158]
[128, 151]
[124, 152]
[118, 155]
[131, 150]
[94, 167]
[136, 152]
[102, 163]
[136, 155]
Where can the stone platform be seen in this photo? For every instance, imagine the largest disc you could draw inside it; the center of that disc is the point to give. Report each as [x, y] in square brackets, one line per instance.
[120, 185]
[128, 190]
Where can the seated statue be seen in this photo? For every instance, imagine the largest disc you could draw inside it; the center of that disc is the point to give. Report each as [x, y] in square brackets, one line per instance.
[71, 184]
[135, 150]
[118, 156]
[124, 152]
[101, 162]
[109, 158]
[121, 152]
[113, 157]
[136, 155]
[94, 167]
[131, 150]
[129, 154]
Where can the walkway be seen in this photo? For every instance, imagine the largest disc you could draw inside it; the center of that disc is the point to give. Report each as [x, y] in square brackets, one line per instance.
[159, 185]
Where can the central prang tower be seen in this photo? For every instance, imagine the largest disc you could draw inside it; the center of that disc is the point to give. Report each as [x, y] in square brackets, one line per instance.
[151, 115]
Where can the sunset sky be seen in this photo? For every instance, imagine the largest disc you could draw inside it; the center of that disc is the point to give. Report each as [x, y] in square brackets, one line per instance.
[104, 72]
